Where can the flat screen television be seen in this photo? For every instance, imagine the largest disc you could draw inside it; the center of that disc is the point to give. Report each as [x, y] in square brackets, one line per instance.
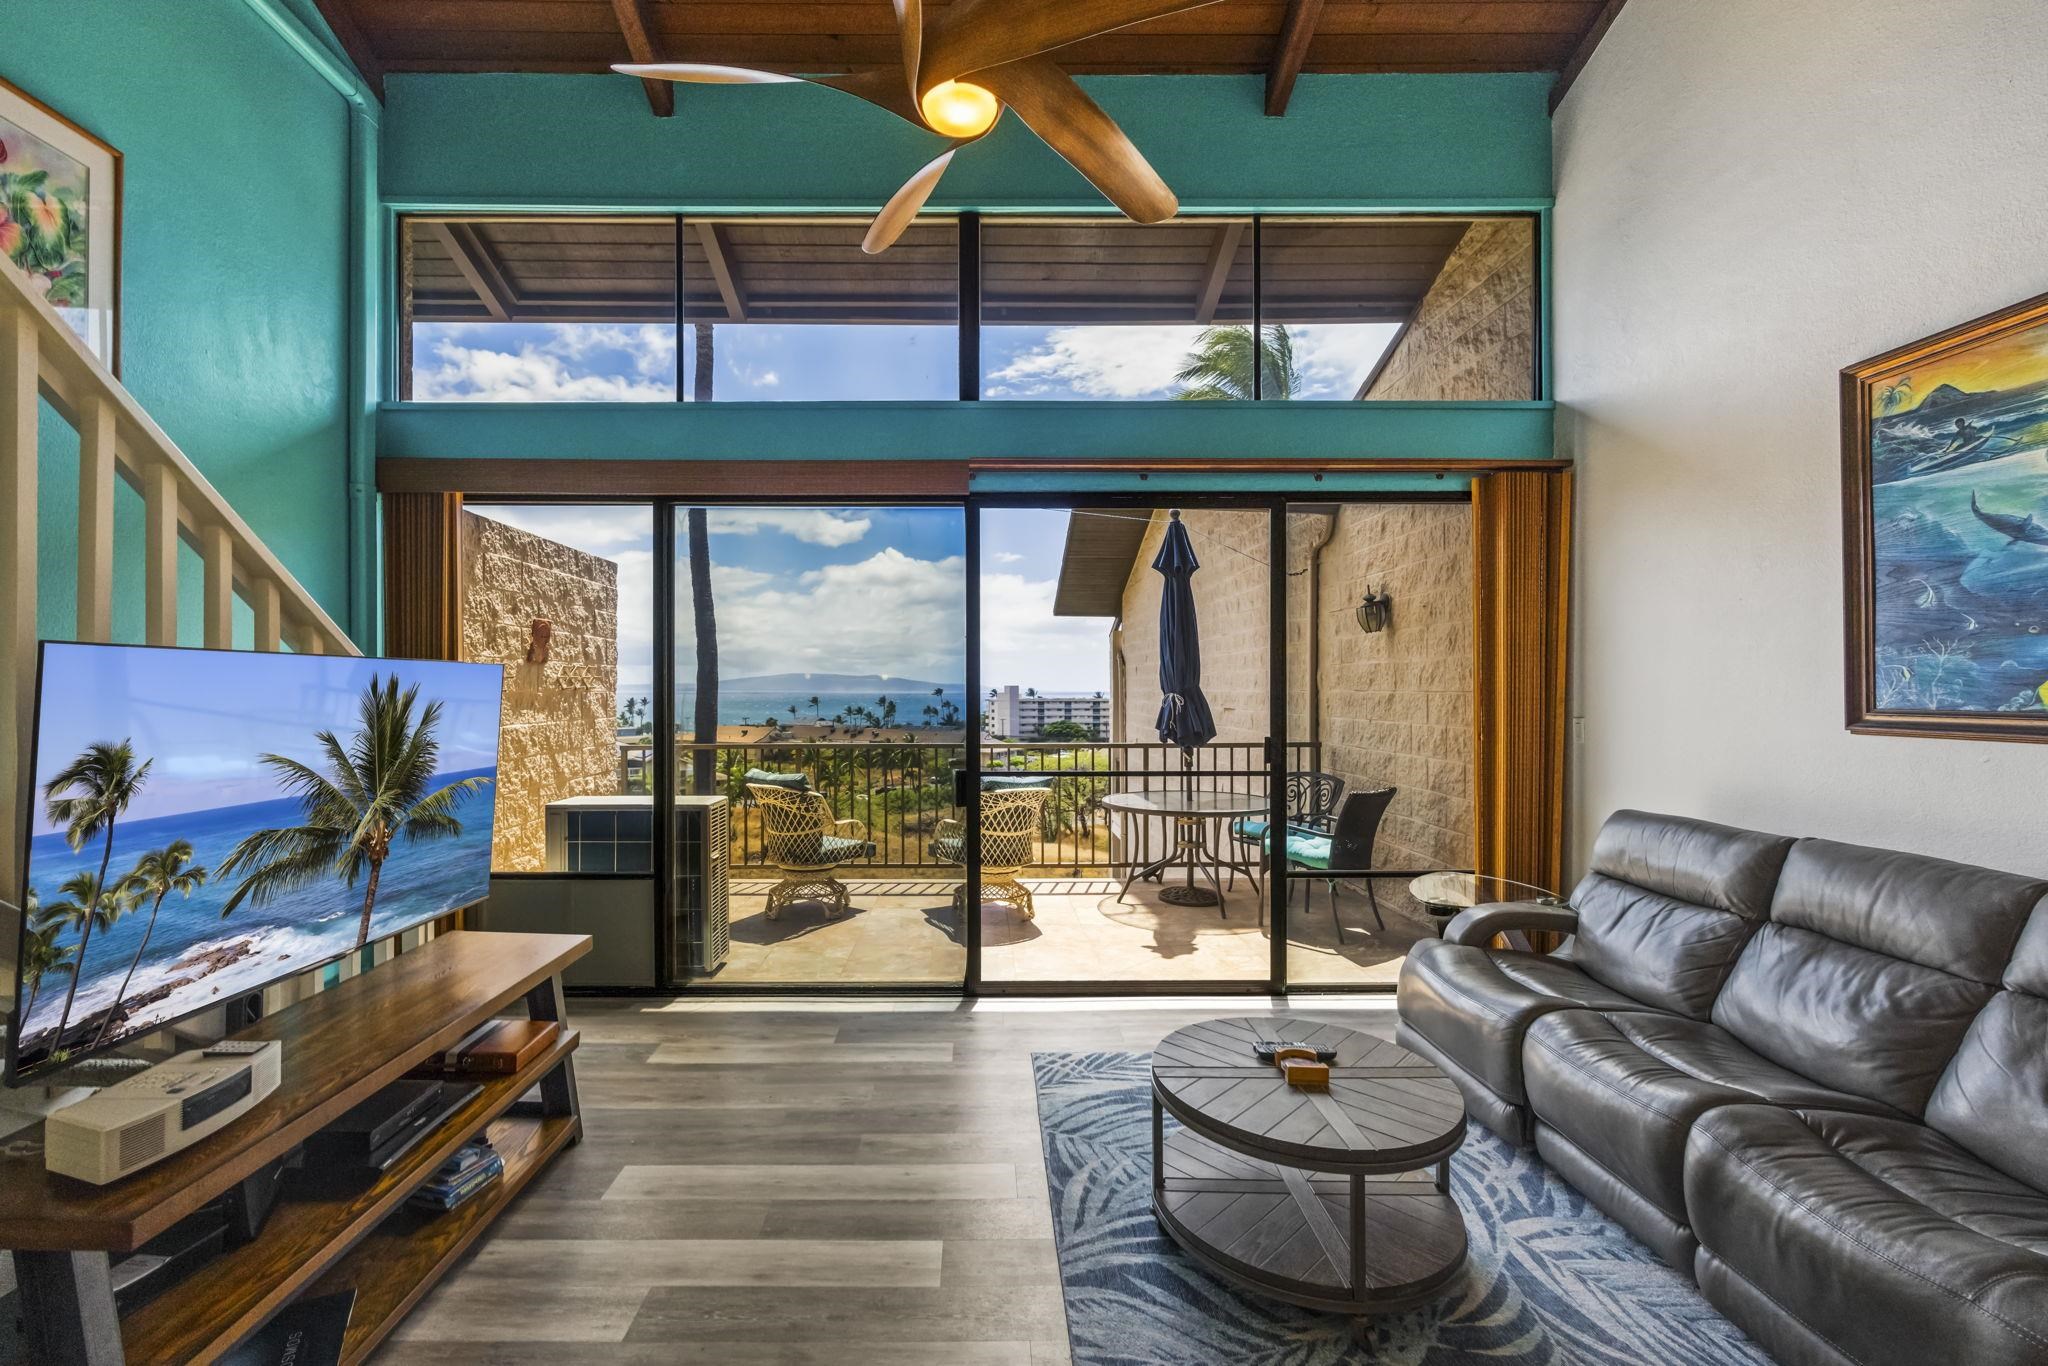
[207, 822]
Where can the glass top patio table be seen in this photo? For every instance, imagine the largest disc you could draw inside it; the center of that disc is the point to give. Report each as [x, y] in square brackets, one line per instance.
[1177, 801]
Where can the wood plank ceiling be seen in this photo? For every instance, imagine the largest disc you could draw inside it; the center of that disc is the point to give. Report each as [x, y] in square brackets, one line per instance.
[1280, 38]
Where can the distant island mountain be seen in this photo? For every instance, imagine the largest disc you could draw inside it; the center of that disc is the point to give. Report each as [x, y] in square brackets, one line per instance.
[1941, 396]
[834, 683]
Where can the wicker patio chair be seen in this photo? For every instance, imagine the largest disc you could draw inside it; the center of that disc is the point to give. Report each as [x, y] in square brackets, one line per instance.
[1011, 820]
[806, 842]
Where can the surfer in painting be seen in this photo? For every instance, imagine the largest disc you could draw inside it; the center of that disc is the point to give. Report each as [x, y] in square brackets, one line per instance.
[2005, 524]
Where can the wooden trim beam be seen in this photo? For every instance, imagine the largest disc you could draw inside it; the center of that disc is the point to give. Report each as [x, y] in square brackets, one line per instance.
[1582, 51]
[1216, 274]
[718, 256]
[465, 246]
[341, 19]
[1297, 31]
[633, 25]
[516, 478]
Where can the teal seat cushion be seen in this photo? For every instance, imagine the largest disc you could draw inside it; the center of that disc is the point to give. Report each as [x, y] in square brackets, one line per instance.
[795, 782]
[838, 850]
[949, 849]
[1010, 782]
[1310, 851]
[1251, 832]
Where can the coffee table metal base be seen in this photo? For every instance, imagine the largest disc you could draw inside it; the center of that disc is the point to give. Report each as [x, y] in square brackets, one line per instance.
[1343, 1244]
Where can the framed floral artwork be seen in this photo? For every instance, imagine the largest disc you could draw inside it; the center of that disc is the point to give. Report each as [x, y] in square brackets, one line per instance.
[1945, 502]
[60, 216]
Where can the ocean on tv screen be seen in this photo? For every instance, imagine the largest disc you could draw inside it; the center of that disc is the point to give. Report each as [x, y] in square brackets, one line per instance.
[207, 822]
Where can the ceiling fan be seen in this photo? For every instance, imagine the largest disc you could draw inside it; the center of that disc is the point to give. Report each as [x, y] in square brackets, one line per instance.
[1003, 46]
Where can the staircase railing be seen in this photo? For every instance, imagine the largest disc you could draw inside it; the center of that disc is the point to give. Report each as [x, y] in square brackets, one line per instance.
[40, 357]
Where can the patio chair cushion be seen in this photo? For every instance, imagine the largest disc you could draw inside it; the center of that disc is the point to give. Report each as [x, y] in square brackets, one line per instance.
[836, 849]
[1010, 782]
[1248, 831]
[1310, 851]
[950, 849]
[795, 782]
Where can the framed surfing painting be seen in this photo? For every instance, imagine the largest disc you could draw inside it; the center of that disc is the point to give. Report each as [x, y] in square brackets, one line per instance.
[1945, 530]
[60, 217]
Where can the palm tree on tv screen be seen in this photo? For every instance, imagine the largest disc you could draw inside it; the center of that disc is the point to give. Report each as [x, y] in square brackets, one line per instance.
[42, 955]
[86, 797]
[87, 905]
[1225, 359]
[374, 791]
[156, 875]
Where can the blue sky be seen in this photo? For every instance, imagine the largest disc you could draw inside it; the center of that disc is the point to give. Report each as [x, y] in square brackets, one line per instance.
[636, 362]
[848, 590]
[205, 717]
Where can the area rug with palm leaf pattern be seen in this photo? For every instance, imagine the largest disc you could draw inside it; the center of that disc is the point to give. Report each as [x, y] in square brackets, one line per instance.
[1550, 1280]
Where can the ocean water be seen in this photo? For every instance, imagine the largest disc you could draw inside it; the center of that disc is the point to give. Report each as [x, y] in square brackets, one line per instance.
[751, 708]
[420, 881]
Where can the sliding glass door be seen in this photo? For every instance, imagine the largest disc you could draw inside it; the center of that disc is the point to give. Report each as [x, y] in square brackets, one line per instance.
[815, 704]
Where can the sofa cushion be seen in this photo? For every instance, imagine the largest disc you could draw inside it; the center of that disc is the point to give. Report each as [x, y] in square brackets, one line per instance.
[1669, 903]
[1873, 966]
[1884, 1238]
[1473, 1004]
[1625, 1087]
[1993, 1099]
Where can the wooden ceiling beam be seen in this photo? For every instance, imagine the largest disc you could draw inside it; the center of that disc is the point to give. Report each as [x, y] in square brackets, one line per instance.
[1297, 31]
[473, 258]
[719, 258]
[341, 20]
[1582, 51]
[632, 17]
[1217, 273]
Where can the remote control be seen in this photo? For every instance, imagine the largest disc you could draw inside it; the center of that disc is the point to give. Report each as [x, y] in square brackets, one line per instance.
[236, 1048]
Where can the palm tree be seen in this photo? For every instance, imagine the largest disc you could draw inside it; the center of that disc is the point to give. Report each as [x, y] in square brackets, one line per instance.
[1223, 364]
[704, 728]
[817, 707]
[157, 874]
[86, 797]
[1896, 394]
[87, 906]
[374, 790]
[42, 955]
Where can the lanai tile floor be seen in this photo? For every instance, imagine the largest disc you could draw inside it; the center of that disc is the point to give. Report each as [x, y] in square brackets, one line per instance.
[906, 933]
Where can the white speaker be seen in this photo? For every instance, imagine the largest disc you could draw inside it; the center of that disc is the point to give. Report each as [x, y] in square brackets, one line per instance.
[120, 1130]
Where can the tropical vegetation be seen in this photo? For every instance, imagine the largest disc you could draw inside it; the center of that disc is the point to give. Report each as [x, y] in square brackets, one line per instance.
[374, 790]
[87, 797]
[156, 875]
[42, 231]
[1227, 364]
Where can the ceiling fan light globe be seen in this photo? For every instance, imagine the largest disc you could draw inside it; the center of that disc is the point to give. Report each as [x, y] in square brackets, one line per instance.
[959, 109]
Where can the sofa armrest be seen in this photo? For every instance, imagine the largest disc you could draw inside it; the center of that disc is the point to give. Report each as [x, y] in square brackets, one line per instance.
[1480, 924]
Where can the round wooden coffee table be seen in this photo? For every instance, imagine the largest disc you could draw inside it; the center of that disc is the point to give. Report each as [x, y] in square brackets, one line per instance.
[1323, 1199]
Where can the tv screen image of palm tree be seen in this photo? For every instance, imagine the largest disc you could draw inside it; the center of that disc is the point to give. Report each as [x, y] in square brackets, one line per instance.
[207, 822]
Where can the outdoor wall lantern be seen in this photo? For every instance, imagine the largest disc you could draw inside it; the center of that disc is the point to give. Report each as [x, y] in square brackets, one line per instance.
[537, 645]
[1376, 613]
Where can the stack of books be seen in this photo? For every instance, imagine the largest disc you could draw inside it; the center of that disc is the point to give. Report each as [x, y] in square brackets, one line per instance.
[476, 1166]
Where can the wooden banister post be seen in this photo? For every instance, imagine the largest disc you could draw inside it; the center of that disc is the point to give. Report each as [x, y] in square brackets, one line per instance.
[268, 605]
[18, 421]
[96, 458]
[160, 548]
[217, 555]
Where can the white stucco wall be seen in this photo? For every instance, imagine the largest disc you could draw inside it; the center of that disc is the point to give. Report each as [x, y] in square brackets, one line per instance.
[1752, 194]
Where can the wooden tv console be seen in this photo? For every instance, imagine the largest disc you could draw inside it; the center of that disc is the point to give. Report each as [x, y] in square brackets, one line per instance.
[339, 1047]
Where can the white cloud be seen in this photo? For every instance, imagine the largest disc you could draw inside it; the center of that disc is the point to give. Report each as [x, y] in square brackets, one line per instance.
[887, 614]
[1332, 359]
[1098, 362]
[813, 526]
[1008, 557]
[592, 530]
[1025, 644]
[560, 368]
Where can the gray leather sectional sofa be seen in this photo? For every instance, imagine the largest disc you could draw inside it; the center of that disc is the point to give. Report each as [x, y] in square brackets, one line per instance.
[1813, 1076]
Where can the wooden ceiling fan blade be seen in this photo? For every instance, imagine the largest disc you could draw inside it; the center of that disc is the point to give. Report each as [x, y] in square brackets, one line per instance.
[702, 73]
[903, 206]
[974, 35]
[910, 29]
[883, 86]
[1060, 112]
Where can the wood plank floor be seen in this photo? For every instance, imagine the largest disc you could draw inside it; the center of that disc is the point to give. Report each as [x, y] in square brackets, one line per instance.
[869, 1191]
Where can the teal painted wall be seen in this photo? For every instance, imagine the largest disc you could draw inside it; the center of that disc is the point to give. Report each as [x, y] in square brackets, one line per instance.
[1346, 142]
[234, 264]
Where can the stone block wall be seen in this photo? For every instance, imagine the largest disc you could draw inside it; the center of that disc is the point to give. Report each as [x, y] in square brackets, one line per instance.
[560, 717]
[1474, 335]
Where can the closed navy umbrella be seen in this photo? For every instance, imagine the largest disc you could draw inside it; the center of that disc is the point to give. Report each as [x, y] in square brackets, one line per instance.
[1184, 718]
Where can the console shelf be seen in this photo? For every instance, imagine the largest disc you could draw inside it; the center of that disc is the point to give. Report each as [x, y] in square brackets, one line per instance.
[339, 1047]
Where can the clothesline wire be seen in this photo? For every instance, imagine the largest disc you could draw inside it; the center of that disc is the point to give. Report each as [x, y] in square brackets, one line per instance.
[1199, 538]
